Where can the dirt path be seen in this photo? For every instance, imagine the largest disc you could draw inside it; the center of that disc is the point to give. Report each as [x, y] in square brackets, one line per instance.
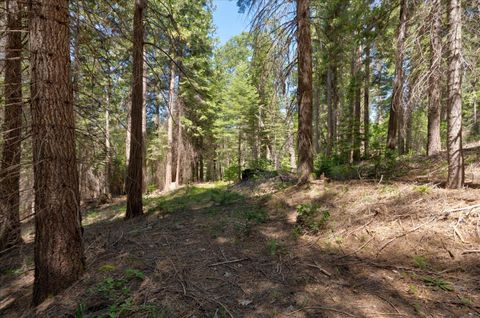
[210, 252]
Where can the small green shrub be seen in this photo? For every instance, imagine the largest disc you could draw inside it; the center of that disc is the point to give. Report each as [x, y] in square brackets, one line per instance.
[231, 173]
[423, 189]
[256, 215]
[261, 164]
[420, 261]
[131, 273]
[80, 311]
[437, 283]
[273, 247]
[311, 218]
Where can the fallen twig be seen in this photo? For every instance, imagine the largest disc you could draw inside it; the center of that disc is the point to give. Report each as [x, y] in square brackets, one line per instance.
[329, 309]
[404, 234]
[228, 262]
[469, 207]
[322, 270]
[471, 252]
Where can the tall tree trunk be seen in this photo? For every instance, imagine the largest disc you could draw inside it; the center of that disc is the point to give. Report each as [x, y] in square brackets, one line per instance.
[159, 169]
[349, 135]
[366, 103]
[357, 139]
[397, 94]
[135, 174]
[305, 131]
[456, 174]
[12, 130]
[239, 162]
[128, 138]
[401, 113]
[316, 118]
[108, 159]
[331, 108]
[434, 90]
[144, 124]
[59, 259]
[179, 144]
[291, 146]
[171, 111]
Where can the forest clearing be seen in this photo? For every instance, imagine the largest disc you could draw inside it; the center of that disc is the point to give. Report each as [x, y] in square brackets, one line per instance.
[239, 158]
[367, 249]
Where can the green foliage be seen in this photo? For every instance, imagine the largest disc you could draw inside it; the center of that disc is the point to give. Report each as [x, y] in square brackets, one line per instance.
[423, 189]
[231, 173]
[256, 215]
[12, 272]
[107, 268]
[311, 218]
[261, 164]
[80, 311]
[131, 273]
[334, 168]
[420, 261]
[438, 283]
[274, 247]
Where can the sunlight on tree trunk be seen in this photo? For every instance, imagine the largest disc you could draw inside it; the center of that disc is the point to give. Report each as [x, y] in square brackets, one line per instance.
[135, 174]
[305, 130]
[59, 259]
[456, 174]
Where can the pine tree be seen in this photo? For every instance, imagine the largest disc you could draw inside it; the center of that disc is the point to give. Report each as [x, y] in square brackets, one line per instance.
[135, 174]
[59, 259]
[456, 174]
[305, 130]
[12, 130]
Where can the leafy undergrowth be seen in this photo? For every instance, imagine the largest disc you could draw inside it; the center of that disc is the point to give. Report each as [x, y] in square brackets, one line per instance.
[405, 168]
[267, 248]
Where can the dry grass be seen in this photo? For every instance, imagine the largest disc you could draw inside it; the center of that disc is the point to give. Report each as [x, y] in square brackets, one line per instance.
[386, 250]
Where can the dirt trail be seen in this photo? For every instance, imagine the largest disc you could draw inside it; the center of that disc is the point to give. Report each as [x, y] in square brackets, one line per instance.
[212, 251]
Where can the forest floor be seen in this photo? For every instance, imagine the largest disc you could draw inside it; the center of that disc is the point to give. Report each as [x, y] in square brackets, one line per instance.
[362, 249]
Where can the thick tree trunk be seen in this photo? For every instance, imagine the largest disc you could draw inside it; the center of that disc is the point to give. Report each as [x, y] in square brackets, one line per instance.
[305, 131]
[434, 91]
[366, 103]
[397, 94]
[456, 174]
[135, 174]
[59, 259]
[12, 130]
[171, 111]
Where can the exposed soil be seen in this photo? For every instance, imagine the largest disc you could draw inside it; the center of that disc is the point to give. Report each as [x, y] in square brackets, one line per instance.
[381, 250]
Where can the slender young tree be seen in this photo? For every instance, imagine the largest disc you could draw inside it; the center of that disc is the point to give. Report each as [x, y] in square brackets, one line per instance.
[434, 90]
[134, 180]
[12, 129]
[59, 259]
[357, 138]
[366, 102]
[171, 111]
[456, 174]
[305, 93]
[397, 94]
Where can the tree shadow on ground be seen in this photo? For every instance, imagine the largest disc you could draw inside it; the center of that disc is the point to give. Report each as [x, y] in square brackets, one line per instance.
[211, 253]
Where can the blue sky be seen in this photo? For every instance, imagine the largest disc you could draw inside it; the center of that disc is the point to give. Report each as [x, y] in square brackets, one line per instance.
[227, 20]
